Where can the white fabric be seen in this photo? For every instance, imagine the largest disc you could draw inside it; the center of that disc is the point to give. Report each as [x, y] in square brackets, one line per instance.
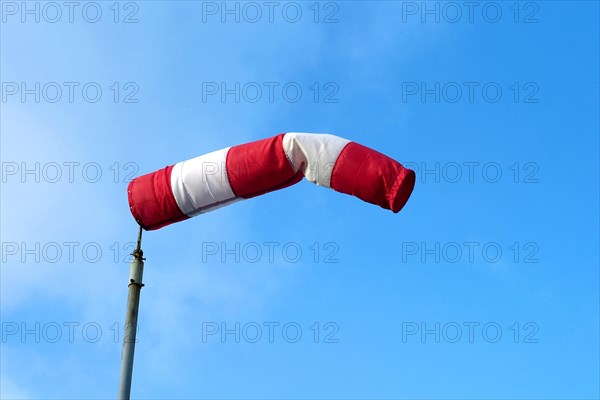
[315, 153]
[201, 184]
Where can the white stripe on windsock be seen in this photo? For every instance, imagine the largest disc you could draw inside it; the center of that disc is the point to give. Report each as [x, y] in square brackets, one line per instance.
[316, 154]
[201, 184]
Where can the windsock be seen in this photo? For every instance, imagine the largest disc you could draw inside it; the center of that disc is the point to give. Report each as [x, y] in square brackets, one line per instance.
[220, 178]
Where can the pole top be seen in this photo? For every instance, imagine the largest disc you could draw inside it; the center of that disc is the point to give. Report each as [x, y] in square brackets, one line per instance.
[138, 253]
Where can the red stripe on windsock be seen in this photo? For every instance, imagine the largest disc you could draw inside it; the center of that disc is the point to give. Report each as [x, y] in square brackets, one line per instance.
[151, 200]
[260, 167]
[372, 177]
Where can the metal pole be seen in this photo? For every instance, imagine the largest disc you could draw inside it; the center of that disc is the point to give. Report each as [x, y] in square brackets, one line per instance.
[136, 271]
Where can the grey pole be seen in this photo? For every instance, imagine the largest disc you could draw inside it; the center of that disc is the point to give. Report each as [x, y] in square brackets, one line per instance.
[136, 271]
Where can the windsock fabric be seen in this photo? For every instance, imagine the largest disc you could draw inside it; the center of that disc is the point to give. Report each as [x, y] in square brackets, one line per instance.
[220, 178]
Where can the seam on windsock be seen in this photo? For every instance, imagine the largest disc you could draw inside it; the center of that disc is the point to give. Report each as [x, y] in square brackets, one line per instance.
[333, 165]
[226, 171]
[214, 206]
[288, 156]
[160, 200]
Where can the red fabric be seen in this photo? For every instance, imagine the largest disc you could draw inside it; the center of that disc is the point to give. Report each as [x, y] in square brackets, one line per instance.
[372, 177]
[151, 200]
[260, 167]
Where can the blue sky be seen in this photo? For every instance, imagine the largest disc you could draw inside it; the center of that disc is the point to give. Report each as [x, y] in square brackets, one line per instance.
[485, 285]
